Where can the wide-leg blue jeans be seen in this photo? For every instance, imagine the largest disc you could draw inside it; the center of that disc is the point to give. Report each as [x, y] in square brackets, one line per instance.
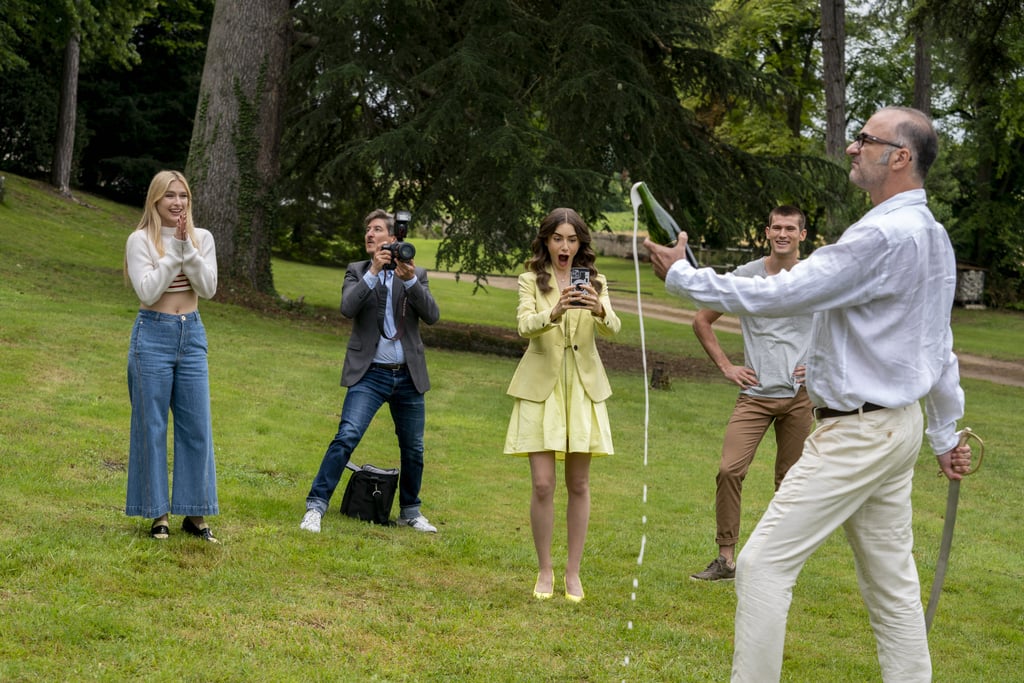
[167, 373]
[362, 401]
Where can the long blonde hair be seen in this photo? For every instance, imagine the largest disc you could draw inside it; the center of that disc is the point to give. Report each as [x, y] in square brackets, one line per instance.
[150, 221]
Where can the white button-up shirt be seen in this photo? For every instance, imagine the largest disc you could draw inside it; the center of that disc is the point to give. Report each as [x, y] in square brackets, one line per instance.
[881, 298]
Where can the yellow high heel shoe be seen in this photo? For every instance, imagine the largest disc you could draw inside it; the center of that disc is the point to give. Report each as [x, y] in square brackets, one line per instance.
[569, 596]
[542, 596]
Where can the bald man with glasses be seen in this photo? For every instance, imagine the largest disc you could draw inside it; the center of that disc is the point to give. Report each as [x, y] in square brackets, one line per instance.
[880, 343]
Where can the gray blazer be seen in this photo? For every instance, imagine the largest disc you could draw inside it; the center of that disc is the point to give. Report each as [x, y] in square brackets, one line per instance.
[359, 303]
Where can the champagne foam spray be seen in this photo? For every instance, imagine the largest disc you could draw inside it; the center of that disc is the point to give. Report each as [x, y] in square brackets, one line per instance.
[660, 223]
[635, 198]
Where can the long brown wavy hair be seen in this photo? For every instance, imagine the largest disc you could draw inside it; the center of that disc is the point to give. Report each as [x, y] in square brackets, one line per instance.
[541, 259]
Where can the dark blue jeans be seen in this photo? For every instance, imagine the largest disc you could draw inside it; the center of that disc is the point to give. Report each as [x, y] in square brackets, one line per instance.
[362, 401]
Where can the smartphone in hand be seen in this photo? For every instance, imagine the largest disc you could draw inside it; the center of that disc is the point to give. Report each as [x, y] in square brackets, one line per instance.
[578, 277]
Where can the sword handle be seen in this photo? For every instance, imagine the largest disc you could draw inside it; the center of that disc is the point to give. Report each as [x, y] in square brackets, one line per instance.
[965, 435]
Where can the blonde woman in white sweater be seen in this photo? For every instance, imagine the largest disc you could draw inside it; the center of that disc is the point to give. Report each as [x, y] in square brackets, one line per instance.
[171, 264]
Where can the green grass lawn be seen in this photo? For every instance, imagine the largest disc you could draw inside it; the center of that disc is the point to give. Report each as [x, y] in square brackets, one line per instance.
[86, 595]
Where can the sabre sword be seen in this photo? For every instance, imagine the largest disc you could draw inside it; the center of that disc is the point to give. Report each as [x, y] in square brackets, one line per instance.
[952, 499]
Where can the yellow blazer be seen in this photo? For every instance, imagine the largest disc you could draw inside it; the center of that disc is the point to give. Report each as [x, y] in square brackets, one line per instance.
[541, 365]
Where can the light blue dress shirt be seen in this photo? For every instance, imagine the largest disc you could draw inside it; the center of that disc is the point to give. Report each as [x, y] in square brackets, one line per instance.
[389, 349]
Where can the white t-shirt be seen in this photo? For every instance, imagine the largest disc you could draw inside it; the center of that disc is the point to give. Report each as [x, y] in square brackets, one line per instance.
[773, 347]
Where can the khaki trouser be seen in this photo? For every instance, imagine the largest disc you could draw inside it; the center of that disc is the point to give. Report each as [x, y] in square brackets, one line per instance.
[855, 472]
[751, 418]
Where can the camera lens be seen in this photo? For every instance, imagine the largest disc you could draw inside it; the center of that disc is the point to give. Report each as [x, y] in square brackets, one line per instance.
[404, 251]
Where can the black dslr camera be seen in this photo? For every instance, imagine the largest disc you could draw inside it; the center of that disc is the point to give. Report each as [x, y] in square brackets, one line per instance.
[400, 249]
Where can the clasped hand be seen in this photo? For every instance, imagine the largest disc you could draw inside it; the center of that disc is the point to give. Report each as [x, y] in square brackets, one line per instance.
[181, 231]
[579, 297]
[956, 462]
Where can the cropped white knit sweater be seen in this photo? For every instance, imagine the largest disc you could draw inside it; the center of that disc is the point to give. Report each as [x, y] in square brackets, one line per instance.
[152, 274]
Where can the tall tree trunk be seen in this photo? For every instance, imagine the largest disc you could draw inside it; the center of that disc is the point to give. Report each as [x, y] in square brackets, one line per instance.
[833, 57]
[233, 159]
[922, 72]
[64, 144]
[833, 52]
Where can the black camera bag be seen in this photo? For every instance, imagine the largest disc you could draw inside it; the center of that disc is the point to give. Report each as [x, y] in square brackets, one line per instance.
[370, 493]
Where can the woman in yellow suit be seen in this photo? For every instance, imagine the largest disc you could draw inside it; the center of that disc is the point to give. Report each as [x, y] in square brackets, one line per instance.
[560, 387]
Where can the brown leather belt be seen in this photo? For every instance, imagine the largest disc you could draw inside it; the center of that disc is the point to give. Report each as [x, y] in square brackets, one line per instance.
[823, 413]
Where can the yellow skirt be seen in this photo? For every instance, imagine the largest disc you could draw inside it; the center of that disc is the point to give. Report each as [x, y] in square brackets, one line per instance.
[566, 422]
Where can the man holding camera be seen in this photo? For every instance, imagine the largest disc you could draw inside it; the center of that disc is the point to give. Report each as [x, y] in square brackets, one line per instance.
[385, 297]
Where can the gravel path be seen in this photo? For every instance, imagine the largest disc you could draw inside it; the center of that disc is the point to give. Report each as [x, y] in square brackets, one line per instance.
[971, 366]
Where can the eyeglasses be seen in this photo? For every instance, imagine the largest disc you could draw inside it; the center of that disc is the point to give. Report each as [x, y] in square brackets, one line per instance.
[859, 140]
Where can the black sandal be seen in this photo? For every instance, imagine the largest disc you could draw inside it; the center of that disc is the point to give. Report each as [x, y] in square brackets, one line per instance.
[189, 527]
[160, 532]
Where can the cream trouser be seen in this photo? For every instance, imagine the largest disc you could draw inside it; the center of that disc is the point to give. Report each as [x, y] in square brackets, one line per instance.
[855, 472]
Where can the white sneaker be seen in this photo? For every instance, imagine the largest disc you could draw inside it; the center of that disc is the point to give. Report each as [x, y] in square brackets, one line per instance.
[311, 521]
[418, 523]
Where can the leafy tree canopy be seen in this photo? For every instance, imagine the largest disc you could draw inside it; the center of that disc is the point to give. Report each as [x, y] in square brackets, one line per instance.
[130, 122]
[983, 45]
[15, 20]
[141, 124]
[483, 115]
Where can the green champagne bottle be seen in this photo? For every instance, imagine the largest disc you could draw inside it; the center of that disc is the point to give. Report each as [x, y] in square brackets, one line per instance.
[661, 227]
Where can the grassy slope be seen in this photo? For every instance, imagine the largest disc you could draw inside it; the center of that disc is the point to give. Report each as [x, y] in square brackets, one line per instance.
[85, 595]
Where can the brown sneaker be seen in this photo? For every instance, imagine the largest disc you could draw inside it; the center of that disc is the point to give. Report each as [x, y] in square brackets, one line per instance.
[718, 570]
